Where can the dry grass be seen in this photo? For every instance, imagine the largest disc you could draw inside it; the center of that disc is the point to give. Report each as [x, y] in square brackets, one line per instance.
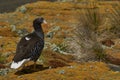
[86, 35]
[115, 20]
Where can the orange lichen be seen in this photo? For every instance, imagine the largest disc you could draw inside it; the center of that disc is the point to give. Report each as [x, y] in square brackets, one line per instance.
[4, 24]
[85, 71]
[8, 44]
[6, 32]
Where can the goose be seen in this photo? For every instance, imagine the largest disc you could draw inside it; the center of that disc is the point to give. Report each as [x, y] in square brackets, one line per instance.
[29, 47]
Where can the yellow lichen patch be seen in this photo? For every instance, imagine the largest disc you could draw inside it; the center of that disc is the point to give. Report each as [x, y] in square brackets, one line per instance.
[8, 44]
[54, 5]
[4, 24]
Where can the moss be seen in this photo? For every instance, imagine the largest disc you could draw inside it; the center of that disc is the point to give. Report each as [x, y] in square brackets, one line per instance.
[2, 58]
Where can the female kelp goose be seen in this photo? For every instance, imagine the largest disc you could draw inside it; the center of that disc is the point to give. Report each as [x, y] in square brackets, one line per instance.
[30, 46]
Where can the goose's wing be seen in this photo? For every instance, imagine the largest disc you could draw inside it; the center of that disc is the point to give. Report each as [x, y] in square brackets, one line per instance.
[28, 47]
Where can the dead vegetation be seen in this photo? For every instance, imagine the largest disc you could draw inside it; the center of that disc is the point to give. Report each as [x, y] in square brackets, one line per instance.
[115, 20]
[86, 35]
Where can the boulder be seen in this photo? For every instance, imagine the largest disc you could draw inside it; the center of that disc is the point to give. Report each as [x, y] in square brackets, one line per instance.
[113, 57]
[107, 42]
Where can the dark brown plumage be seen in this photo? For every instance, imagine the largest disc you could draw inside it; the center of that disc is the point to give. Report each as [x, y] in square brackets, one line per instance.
[30, 46]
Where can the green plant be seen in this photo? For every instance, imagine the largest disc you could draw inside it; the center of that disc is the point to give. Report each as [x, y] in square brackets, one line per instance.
[98, 50]
[63, 47]
[60, 48]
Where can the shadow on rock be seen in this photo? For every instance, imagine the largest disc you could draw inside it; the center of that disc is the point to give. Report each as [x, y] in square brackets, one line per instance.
[29, 69]
[114, 67]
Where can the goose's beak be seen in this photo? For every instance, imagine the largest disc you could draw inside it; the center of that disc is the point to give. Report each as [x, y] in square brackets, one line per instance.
[44, 22]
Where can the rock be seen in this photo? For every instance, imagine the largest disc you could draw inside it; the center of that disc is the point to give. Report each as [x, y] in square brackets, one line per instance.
[56, 28]
[2, 66]
[47, 44]
[113, 56]
[22, 32]
[50, 35]
[62, 72]
[23, 9]
[7, 54]
[1, 26]
[52, 32]
[113, 53]
[1, 36]
[114, 67]
[71, 67]
[4, 71]
[58, 48]
[13, 27]
[107, 42]
[54, 47]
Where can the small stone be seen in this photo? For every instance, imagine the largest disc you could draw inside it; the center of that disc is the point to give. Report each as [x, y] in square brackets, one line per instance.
[50, 67]
[19, 76]
[50, 35]
[22, 32]
[108, 42]
[53, 47]
[23, 9]
[1, 36]
[13, 28]
[70, 66]
[1, 26]
[4, 71]
[61, 71]
[56, 28]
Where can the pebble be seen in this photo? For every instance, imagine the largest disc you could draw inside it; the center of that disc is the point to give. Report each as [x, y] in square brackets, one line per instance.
[61, 71]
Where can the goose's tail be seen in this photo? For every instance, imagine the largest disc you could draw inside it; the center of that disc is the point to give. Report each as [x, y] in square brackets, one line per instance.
[16, 65]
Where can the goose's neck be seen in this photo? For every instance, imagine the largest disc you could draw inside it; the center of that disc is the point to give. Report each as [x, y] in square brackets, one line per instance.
[39, 31]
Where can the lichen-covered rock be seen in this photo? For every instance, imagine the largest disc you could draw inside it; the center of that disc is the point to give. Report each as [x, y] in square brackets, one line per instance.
[113, 53]
[50, 34]
[107, 42]
[13, 27]
[22, 32]
[53, 31]
[22, 9]
[4, 71]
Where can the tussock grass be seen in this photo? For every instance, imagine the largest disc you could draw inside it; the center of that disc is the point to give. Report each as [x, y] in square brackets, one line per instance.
[115, 19]
[86, 35]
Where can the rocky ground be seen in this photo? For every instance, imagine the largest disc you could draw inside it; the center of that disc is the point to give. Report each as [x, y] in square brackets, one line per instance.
[57, 62]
